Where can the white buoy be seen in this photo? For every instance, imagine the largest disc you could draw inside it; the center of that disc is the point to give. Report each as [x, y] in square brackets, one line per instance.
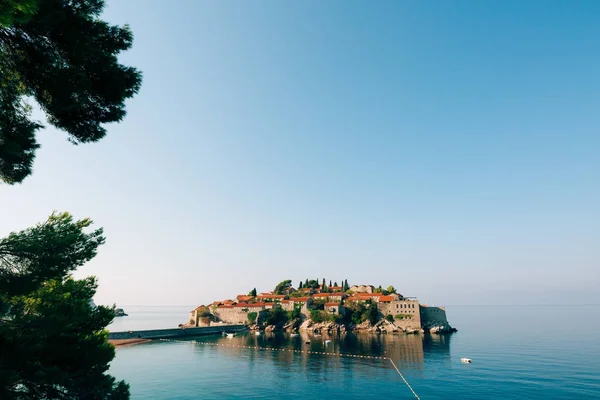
[466, 360]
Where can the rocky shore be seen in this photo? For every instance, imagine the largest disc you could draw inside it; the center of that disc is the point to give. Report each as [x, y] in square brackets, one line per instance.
[383, 326]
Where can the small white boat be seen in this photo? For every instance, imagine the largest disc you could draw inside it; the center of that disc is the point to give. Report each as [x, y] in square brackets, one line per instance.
[230, 335]
[307, 342]
[466, 360]
[327, 342]
[257, 333]
[293, 334]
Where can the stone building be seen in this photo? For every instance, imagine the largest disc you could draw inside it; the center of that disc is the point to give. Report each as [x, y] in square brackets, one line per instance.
[302, 302]
[362, 288]
[406, 312]
[270, 297]
[329, 296]
[237, 313]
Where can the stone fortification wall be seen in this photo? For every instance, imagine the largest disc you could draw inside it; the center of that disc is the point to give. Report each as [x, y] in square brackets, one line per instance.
[233, 315]
[174, 333]
[409, 309]
[431, 316]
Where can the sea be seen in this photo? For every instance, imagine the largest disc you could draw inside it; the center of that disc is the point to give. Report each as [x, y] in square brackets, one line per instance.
[517, 352]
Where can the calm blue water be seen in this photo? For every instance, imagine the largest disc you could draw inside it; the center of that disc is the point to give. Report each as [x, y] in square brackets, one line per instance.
[528, 352]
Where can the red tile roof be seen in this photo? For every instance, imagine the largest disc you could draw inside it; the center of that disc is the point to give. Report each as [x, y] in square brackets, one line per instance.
[271, 296]
[224, 306]
[321, 295]
[243, 297]
[386, 299]
[357, 298]
[246, 305]
[300, 299]
[332, 304]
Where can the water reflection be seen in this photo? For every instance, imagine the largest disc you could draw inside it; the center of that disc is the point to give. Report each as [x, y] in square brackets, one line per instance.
[407, 351]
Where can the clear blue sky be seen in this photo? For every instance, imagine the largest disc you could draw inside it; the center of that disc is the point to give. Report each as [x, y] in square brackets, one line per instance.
[450, 148]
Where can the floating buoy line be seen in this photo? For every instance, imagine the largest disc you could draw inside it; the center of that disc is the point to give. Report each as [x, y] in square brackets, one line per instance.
[283, 350]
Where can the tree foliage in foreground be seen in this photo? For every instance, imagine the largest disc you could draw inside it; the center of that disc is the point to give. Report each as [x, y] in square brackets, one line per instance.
[53, 342]
[62, 55]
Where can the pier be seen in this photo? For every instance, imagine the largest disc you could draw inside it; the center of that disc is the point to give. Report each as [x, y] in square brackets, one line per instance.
[175, 332]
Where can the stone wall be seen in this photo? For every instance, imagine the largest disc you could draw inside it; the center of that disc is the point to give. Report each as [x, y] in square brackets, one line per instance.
[431, 316]
[177, 332]
[408, 308]
[234, 315]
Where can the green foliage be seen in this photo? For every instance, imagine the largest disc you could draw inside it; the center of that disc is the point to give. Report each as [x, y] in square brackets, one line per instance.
[252, 317]
[318, 304]
[283, 286]
[378, 289]
[300, 285]
[335, 283]
[53, 343]
[17, 11]
[46, 251]
[390, 289]
[361, 312]
[252, 293]
[355, 313]
[389, 318]
[276, 316]
[313, 284]
[204, 313]
[320, 316]
[62, 55]
[340, 319]
[295, 313]
[48, 331]
[346, 286]
[372, 313]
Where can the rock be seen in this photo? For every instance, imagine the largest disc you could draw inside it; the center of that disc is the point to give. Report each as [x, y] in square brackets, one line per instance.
[119, 312]
[306, 324]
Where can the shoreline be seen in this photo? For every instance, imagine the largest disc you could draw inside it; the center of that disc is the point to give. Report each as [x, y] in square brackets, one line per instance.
[127, 342]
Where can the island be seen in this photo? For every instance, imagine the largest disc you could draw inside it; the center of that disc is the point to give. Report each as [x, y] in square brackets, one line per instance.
[316, 306]
[119, 312]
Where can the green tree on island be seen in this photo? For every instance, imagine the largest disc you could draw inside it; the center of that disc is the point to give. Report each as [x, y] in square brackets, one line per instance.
[252, 293]
[58, 53]
[283, 286]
